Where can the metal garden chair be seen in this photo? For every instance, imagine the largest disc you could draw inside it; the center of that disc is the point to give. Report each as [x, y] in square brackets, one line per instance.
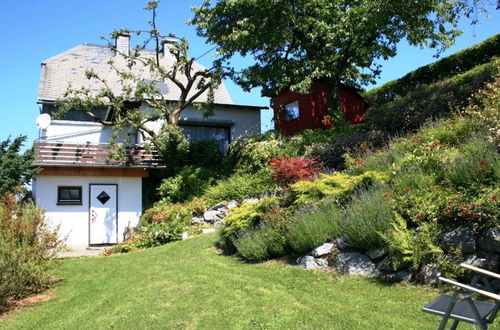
[461, 307]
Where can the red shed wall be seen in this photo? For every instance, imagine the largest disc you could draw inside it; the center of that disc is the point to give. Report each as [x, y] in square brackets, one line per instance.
[313, 108]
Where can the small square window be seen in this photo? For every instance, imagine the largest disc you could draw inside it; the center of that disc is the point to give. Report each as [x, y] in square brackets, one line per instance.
[69, 195]
[292, 111]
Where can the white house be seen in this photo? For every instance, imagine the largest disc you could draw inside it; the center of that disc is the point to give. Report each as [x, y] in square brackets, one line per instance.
[92, 199]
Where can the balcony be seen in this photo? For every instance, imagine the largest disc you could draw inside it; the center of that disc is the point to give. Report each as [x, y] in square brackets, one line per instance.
[92, 155]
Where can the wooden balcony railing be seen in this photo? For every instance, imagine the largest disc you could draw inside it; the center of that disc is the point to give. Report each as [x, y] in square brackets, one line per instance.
[72, 154]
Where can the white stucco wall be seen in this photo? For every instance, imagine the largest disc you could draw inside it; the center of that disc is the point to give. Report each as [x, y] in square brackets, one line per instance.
[79, 132]
[74, 219]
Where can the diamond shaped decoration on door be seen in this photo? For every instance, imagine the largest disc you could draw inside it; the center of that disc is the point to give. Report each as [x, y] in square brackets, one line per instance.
[103, 197]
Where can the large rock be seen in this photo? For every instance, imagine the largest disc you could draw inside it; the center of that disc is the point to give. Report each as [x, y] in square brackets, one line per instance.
[430, 274]
[309, 262]
[212, 216]
[322, 250]
[485, 260]
[353, 263]
[198, 221]
[462, 238]
[490, 241]
[400, 276]
[376, 253]
[232, 204]
[344, 245]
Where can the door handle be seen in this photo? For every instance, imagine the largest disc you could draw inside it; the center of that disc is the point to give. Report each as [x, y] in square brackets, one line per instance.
[93, 216]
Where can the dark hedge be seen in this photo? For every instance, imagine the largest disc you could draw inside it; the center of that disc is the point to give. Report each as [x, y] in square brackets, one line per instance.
[447, 67]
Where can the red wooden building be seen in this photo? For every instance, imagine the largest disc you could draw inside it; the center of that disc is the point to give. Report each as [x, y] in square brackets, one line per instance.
[294, 112]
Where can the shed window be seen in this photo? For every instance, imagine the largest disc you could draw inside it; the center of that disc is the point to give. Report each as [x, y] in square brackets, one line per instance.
[69, 195]
[292, 111]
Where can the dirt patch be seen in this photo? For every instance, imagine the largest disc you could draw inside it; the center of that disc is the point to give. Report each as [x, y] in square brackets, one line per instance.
[29, 301]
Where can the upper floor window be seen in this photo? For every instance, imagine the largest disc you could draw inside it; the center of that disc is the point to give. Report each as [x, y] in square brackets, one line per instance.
[292, 111]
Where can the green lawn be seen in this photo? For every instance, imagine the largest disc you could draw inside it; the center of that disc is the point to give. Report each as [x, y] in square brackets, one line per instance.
[188, 285]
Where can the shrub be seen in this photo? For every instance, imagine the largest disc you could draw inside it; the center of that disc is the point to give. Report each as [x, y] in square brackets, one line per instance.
[172, 146]
[437, 100]
[330, 155]
[368, 215]
[409, 247]
[260, 243]
[27, 247]
[477, 164]
[288, 170]
[190, 182]
[206, 153]
[338, 186]
[247, 216]
[312, 227]
[240, 186]
[166, 212]
[484, 111]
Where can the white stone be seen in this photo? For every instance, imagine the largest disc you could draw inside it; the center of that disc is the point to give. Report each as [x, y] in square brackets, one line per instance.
[185, 235]
[322, 250]
[232, 204]
[207, 230]
[309, 262]
[250, 200]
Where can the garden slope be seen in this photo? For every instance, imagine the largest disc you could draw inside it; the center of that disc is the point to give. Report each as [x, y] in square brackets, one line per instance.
[187, 284]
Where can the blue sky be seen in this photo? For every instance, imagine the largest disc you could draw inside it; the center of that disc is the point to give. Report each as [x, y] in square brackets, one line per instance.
[36, 30]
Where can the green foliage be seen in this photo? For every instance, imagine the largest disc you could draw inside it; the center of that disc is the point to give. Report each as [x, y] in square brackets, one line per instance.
[240, 186]
[369, 214]
[260, 243]
[27, 248]
[337, 186]
[445, 68]
[437, 100]
[484, 111]
[15, 169]
[247, 216]
[409, 247]
[313, 226]
[206, 153]
[190, 182]
[172, 145]
[325, 38]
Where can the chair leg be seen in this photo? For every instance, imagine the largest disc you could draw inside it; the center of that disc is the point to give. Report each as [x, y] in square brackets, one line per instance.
[482, 323]
[449, 309]
[454, 324]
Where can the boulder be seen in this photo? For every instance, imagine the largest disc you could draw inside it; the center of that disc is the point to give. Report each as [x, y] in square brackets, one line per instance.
[207, 230]
[185, 235]
[344, 245]
[309, 262]
[250, 200]
[214, 215]
[462, 238]
[353, 263]
[232, 204]
[385, 265]
[490, 241]
[322, 250]
[376, 253]
[485, 260]
[430, 274]
[198, 221]
[217, 207]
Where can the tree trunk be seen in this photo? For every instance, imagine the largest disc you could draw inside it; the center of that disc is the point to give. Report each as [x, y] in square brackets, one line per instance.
[334, 106]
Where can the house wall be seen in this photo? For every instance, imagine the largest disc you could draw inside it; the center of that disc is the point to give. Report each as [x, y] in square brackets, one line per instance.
[313, 108]
[79, 132]
[74, 219]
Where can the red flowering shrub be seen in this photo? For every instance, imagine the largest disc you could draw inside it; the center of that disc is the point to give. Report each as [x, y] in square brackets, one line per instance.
[288, 170]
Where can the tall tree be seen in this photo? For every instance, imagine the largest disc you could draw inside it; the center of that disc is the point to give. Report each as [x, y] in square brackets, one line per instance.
[15, 168]
[296, 41]
[131, 68]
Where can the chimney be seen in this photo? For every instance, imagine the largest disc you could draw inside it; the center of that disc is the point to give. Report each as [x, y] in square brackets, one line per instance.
[166, 44]
[122, 43]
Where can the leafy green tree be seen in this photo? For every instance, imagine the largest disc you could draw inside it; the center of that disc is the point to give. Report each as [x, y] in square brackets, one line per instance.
[127, 114]
[15, 168]
[296, 41]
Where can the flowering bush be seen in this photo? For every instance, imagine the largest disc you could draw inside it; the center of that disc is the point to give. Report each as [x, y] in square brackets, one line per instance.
[27, 246]
[288, 170]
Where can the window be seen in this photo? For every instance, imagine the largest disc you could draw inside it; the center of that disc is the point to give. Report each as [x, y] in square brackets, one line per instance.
[292, 111]
[69, 195]
[199, 133]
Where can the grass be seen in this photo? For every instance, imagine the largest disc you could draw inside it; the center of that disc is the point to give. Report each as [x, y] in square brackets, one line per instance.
[188, 285]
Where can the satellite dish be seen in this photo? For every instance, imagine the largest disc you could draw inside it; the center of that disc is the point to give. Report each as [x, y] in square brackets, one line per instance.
[43, 121]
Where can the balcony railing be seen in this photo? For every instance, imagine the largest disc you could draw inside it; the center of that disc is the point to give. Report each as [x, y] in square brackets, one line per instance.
[73, 154]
